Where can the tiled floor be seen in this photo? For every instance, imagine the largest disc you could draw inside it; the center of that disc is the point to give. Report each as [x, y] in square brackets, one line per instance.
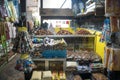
[9, 73]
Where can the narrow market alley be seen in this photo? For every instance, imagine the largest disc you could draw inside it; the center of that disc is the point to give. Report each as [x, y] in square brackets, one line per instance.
[9, 72]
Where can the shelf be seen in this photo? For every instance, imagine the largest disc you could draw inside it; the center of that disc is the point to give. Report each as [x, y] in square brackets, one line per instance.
[86, 13]
[47, 62]
[95, 9]
[45, 59]
[62, 36]
[53, 13]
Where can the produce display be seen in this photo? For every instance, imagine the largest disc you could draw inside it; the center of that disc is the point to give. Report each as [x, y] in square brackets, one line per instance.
[51, 48]
[83, 32]
[83, 55]
[43, 32]
[51, 44]
[61, 32]
[64, 32]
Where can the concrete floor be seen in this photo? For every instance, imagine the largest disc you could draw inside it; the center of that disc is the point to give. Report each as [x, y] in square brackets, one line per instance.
[9, 73]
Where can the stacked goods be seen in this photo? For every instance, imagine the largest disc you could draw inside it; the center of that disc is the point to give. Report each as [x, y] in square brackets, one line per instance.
[99, 76]
[47, 75]
[54, 44]
[43, 32]
[71, 65]
[36, 75]
[83, 55]
[95, 57]
[70, 47]
[70, 54]
[51, 48]
[64, 32]
[83, 32]
[96, 67]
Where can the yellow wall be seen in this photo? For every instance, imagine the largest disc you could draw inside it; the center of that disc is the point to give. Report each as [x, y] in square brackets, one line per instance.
[99, 46]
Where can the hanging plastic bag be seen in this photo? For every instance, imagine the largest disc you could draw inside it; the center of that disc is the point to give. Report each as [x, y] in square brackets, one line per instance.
[19, 65]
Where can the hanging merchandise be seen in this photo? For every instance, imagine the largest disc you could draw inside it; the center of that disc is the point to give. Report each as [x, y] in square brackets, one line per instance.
[10, 30]
[7, 9]
[3, 12]
[75, 6]
[7, 31]
[51, 28]
[2, 28]
[2, 2]
[22, 42]
[16, 4]
[81, 6]
[13, 12]
[106, 31]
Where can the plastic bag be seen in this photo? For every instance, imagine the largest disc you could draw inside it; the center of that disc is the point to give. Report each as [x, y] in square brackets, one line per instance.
[19, 65]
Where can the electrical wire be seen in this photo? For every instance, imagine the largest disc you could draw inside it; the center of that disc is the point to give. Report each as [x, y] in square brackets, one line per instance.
[63, 4]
